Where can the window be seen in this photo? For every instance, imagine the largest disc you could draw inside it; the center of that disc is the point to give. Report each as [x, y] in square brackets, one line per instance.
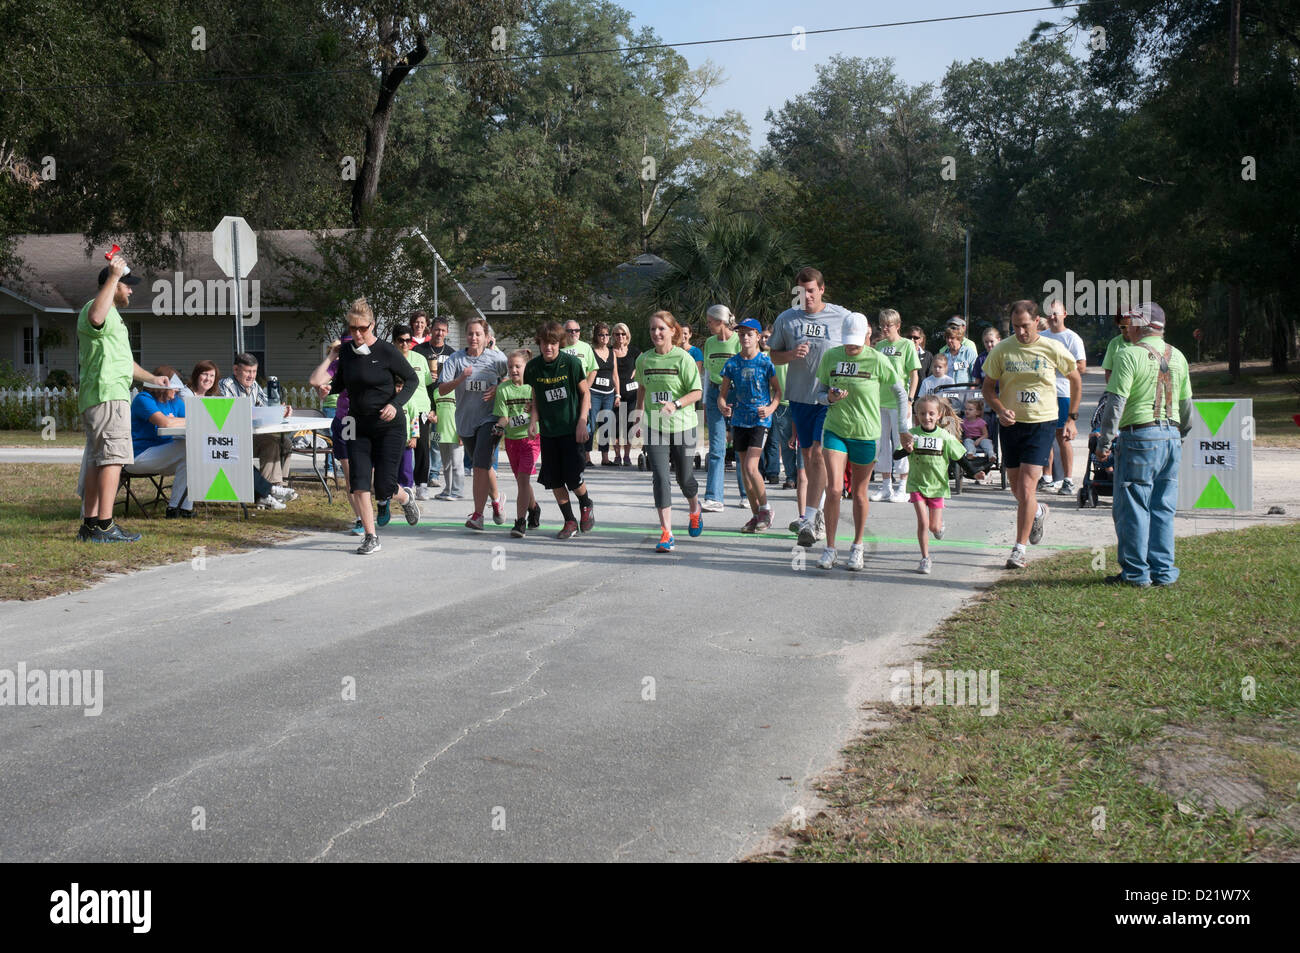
[254, 344]
[29, 347]
[133, 333]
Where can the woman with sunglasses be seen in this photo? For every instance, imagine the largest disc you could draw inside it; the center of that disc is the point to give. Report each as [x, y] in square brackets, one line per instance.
[604, 393]
[625, 356]
[368, 369]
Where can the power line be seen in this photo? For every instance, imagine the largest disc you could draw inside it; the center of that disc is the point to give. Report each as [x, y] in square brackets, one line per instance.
[478, 61]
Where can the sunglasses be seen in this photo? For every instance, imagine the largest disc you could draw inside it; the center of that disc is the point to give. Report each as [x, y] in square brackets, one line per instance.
[404, 340]
[573, 330]
[358, 328]
[917, 337]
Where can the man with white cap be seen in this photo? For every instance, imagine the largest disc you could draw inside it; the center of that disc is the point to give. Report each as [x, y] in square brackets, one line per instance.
[800, 336]
[1147, 414]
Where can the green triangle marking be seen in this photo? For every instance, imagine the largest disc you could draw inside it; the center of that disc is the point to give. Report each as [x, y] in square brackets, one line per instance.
[221, 490]
[1214, 497]
[1214, 412]
[218, 409]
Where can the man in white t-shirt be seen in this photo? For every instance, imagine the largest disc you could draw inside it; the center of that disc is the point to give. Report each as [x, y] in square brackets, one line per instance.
[1063, 458]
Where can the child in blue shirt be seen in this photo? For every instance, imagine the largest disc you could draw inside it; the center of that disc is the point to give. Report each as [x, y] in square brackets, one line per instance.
[750, 394]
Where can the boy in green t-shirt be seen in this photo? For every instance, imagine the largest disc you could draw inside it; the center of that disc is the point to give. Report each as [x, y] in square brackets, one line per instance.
[561, 401]
[513, 407]
[931, 448]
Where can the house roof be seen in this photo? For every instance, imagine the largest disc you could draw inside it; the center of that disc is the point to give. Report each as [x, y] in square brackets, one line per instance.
[59, 273]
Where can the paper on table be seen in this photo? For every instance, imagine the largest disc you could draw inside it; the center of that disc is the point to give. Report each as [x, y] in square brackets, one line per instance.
[173, 384]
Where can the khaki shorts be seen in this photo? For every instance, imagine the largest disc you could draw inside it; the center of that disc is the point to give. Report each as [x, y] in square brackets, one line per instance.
[108, 438]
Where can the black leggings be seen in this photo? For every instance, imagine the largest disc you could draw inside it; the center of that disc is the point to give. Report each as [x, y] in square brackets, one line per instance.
[378, 446]
[422, 451]
[681, 447]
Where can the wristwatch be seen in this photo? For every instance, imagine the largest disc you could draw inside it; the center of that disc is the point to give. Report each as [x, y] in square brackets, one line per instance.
[1074, 416]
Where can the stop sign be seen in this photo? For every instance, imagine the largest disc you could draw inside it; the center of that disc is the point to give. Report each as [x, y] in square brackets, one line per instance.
[231, 237]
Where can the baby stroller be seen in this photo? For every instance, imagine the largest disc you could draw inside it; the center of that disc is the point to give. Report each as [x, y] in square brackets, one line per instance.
[1098, 478]
[953, 397]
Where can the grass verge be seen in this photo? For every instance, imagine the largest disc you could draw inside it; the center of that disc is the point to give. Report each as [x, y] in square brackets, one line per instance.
[64, 439]
[1096, 686]
[40, 556]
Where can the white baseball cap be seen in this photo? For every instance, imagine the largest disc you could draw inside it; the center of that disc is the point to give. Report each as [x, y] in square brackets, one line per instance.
[855, 329]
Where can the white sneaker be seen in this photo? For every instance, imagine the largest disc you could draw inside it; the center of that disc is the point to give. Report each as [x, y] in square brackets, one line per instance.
[444, 495]
[879, 494]
[269, 502]
[796, 524]
[711, 506]
[1050, 487]
[855, 557]
[284, 494]
[938, 533]
[1067, 487]
[827, 560]
[422, 492]
[899, 495]
[819, 524]
[924, 568]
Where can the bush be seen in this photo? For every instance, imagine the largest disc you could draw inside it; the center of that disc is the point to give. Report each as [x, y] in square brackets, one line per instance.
[58, 378]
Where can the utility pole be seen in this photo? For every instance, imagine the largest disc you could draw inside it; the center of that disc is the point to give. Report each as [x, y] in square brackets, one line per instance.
[965, 309]
[1234, 287]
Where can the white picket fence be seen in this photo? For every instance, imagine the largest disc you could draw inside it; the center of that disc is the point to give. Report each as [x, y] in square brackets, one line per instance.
[28, 407]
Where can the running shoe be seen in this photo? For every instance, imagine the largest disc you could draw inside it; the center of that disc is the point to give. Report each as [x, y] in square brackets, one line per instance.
[938, 533]
[114, 534]
[435, 482]
[358, 529]
[697, 524]
[422, 492]
[520, 529]
[765, 518]
[712, 506]
[411, 509]
[751, 526]
[499, 509]
[284, 494]
[1067, 488]
[587, 517]
[796, 524]
[819, 524]
[1051, 486]
[808, 534]
[1119, 580]
[742, 503]
[385, 513]
[475, 521]
[535, 516]
[568, 531]
[1036, 531]
[788, 485]
[827, 560]
[665, 544]
[856, 557]
[368, 545]
[1017, 559]
[83, 533]
[924, 568]
[879, 495]
[899, 495]
[269, 502]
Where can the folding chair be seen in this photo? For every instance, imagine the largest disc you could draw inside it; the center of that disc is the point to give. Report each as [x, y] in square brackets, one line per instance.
[316, 444]
[160, 482]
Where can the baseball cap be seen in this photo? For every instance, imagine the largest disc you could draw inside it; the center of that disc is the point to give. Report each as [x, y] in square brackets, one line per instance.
[1147, 315]
[855, 328]
[956, 321]
[129, 279]
[751, 324]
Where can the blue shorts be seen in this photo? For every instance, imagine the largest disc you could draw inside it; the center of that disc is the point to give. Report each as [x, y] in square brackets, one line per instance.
[1028, 444]
[860, 452]
[808, 420]
[1062, 412]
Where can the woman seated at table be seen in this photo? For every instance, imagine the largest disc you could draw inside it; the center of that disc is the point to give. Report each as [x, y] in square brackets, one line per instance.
[150, 410]
[203, 383]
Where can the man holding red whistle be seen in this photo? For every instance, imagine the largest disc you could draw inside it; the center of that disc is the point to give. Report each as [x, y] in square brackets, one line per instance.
[103, 397]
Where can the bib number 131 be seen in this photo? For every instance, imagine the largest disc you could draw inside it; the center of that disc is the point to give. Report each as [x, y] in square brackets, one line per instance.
[1028, 397]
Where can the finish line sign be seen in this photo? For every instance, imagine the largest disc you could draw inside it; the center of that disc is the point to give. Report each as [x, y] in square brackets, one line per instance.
[1216, 471]
[219, 449]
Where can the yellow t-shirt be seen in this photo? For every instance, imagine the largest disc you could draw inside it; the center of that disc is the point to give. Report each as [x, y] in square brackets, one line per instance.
[1026, 376]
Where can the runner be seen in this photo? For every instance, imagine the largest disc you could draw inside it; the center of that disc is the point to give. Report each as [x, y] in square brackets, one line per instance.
[625, 356]
[368, 369]
[718, 349]
[513, 408]
[932, 448]
[668, 420]
[449, 448]
[1022, 369]
[473, 373]
[418, 408]
[1063, 452]
[561, 403]
[853, 377]
[757, 394]
[800, 337]
[604, 393]
[902, 354]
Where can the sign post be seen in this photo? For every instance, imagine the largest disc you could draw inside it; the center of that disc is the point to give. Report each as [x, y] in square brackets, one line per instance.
[219, 449]
[234, 249]
[1216, 471]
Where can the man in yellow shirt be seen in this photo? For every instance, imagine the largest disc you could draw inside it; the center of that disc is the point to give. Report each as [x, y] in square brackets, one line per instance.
[1020, 386]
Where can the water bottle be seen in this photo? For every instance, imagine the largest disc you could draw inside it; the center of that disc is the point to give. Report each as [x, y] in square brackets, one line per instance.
[273, 392]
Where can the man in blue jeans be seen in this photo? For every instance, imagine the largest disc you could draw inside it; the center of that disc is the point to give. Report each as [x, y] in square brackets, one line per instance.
[1146, 416]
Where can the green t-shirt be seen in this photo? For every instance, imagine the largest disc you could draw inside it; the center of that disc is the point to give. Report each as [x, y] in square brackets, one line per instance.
[104, 355]
[512, 403]
[668, 377]
[780, 376]
[1134, 378]
[1026, 376]
[716, 355]
[932, 450]
[1117, 344]
[864, 376]
[584, 353]
[556, 392]
[419, 402]
[902, 354]
[445, 406]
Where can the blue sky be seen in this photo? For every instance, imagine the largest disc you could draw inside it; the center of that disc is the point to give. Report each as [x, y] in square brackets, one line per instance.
[763, 74]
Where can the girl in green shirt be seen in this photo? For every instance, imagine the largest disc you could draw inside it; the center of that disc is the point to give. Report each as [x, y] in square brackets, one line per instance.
[513, 408]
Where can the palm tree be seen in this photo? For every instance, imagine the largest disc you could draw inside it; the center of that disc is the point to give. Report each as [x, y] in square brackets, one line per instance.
[741, 261]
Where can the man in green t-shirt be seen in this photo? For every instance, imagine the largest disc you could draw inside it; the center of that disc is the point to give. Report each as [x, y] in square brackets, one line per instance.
[1147, 413]
[561, 402]
[107, 370]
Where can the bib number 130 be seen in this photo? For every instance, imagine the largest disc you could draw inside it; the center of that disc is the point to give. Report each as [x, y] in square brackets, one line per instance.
[1028, 397]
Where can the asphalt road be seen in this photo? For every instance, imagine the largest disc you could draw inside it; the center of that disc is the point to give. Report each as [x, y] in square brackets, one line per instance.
[514, 699]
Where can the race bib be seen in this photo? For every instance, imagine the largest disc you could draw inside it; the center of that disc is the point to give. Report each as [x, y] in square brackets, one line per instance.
[476, 387]
[1028, 397]
[602, 382]
[660, 397]
[928, 444]
[811, 330]
[632, 385]
[846, 369]
[557, 393]
[518, 420]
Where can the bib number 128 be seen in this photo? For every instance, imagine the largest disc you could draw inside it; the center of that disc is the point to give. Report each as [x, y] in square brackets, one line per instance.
[1028, 397]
